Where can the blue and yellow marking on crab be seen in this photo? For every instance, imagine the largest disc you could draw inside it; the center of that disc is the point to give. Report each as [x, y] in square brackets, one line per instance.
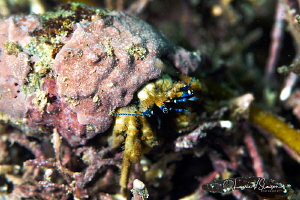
[132, 127]
[160, 92]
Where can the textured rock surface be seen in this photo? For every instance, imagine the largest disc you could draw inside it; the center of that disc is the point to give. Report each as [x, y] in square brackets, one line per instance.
[69, 69]
[14, 64]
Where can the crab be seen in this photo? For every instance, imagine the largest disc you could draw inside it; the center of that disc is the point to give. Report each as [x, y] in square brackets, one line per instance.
[132, 126]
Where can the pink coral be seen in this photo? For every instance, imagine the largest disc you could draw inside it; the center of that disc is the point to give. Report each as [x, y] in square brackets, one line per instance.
[14, 65]
[86, 66]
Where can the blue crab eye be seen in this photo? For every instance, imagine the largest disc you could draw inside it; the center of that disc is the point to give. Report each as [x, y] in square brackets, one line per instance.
[164, 109]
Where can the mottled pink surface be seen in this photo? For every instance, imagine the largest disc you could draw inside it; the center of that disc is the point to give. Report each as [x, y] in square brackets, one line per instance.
[186, 62]
[92, 74]
[14, 68]
[114, 78]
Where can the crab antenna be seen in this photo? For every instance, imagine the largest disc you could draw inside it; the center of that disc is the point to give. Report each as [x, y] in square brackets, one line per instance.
[147, 113]
[188, 85]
